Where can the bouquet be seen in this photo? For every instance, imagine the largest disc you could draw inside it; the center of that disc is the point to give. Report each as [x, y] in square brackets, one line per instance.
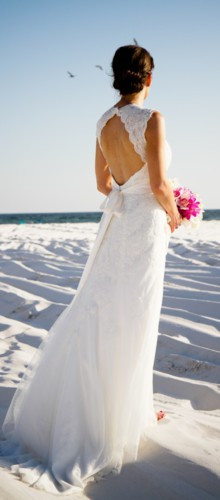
[188, 204]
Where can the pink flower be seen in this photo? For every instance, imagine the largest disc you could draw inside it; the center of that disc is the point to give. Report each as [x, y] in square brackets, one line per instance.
[188, 204]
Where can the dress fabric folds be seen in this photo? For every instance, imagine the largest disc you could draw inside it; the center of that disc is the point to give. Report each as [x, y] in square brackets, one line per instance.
[86, 399]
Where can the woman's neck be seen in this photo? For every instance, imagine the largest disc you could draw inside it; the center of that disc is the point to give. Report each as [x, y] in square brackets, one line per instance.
[132, 99]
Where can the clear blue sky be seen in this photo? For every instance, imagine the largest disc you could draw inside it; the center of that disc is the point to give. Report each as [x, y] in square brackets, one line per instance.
[48, 120]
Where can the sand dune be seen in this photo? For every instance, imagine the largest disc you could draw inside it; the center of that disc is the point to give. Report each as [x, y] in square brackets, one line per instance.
[40, 267]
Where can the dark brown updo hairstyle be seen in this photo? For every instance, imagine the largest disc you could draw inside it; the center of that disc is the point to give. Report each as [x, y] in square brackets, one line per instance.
[131, 64]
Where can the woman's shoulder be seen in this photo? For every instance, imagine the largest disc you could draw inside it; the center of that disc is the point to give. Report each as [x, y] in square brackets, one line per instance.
[135, 109]
[143, 115]
[102, 121]
[105, 113]
[103, 118]
[154, 114]
[134, 114]
[156, 120]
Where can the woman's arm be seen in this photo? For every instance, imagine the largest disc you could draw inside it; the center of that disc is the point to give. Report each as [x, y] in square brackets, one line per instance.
[155, 137]
[103, 175]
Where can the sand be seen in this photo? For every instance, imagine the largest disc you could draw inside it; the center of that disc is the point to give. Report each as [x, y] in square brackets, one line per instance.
[41, 265]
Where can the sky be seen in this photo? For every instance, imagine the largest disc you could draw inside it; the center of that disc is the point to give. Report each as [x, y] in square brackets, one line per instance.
[48, 120]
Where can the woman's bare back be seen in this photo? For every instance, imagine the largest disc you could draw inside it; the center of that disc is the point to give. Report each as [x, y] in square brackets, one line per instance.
[119, 151]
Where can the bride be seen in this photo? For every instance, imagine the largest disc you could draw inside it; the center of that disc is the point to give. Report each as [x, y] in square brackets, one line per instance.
[85, 400]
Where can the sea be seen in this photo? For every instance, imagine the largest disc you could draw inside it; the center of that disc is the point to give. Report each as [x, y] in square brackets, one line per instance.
[63, 217]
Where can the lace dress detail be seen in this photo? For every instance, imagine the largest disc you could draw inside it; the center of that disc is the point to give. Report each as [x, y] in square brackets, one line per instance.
[86, 399]
[135, 121]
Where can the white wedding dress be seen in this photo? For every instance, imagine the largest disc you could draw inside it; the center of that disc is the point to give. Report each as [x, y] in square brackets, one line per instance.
[86, 399]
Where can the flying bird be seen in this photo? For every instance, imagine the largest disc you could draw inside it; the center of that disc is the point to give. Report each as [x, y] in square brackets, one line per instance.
[70, 74]
[98, 66]
[135, 41]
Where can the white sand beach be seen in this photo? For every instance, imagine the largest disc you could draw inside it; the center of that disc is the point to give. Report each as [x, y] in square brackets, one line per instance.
[40, 268]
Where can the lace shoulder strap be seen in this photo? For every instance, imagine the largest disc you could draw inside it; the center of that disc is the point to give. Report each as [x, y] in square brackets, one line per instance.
[102, 121]
[135, 121]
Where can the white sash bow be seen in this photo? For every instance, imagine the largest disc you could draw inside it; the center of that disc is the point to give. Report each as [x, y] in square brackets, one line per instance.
[113, 203]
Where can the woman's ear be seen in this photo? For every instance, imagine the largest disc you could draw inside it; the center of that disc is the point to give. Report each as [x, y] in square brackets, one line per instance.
[149, 80]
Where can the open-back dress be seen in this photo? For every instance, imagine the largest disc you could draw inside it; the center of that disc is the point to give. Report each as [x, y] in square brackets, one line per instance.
[85, 400]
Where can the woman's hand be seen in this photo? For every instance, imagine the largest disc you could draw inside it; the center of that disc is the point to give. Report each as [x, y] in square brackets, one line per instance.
[174, 221]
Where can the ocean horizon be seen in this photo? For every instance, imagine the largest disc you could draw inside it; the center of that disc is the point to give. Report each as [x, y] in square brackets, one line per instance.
[64, 217]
